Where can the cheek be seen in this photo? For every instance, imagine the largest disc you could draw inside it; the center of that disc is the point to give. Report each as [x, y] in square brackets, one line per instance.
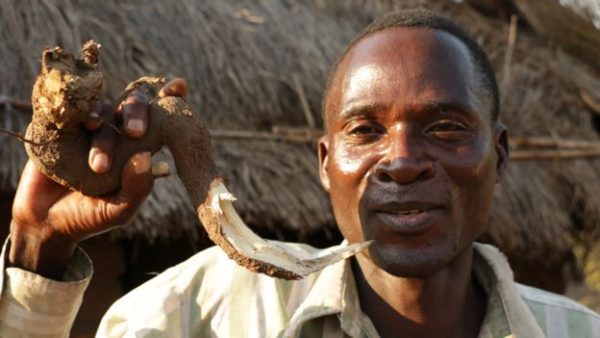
[348, 170]
[472, 165]
[348, 162]
[473, 175]
[350, 165]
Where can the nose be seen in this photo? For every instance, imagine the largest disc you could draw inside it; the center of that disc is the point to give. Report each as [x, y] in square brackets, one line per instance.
[404, 160]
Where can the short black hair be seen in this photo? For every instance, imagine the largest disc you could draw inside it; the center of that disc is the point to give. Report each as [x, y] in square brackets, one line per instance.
[423, 18]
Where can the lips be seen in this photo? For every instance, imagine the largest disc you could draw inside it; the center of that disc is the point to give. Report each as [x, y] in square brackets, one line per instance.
[410, 212]
[406, 207]
[408, 218]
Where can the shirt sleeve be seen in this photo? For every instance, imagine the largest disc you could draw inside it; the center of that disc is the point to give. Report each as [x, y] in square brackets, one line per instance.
[32, 305]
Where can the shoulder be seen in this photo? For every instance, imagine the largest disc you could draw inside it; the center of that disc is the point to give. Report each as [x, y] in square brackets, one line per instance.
[558, 315]
[213, 265]
[546, 299]
[158, 302]
[210, 268]
[203, 285]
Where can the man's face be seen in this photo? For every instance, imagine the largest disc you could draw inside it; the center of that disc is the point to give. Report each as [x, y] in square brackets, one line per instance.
[411, 156]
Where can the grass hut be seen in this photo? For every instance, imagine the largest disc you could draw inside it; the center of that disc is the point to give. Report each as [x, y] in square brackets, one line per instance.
[257, 69]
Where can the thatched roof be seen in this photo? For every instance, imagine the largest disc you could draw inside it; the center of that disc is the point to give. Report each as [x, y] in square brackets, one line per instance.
[259, 67]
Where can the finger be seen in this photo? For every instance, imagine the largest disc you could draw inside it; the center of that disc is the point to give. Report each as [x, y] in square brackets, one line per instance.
[136, 184]
[94, 118]
[176, 87]
[103, 146]
[134, 111]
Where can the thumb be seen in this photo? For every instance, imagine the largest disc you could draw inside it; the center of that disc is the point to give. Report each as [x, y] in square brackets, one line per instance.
[176, 87]
[136, 183]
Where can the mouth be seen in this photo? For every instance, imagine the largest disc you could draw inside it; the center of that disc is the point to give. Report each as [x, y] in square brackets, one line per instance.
[409, 212]
[409, 220]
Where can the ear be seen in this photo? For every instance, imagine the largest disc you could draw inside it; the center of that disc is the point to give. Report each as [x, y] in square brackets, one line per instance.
[323, 152]
[502, 151]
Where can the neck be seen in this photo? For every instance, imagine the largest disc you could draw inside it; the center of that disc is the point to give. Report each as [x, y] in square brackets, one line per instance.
[448, 303]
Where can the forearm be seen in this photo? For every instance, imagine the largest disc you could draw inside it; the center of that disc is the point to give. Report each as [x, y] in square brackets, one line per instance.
[38, 252]
[31, 304]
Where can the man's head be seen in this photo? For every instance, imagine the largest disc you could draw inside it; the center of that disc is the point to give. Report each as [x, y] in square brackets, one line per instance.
[421, 18]
[413, 149]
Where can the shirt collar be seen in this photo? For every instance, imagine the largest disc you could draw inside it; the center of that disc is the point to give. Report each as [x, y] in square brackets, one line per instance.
[324, 298]
[334, 293]
[507, 314]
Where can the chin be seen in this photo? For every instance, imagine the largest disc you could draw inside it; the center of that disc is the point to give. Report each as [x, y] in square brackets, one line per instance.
[412, 262]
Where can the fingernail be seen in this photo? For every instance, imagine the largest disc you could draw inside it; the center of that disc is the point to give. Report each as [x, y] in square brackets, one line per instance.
[161, 169]
[141, 163]
[135, 125]
[100, 162]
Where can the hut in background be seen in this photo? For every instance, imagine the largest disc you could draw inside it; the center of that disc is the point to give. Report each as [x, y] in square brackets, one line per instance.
[256, 71]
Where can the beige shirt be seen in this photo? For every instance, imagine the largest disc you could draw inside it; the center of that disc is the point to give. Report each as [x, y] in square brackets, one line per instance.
[210, 296]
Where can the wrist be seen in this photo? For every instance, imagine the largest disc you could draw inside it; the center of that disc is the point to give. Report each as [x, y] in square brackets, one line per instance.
[44, 254]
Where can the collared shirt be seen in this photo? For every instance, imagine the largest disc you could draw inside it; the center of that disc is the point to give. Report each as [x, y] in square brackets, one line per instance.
[210, 296]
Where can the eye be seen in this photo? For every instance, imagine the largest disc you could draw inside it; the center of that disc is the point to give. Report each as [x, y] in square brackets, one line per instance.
[449, 130]
[363, 131]
[446, 126]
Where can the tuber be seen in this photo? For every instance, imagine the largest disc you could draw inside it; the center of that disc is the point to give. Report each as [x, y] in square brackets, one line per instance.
[63, 94]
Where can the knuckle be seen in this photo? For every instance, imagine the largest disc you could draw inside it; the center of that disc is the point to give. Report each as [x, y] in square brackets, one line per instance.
[136, 98]
[100, 142]
[136, 108]
[110, 215]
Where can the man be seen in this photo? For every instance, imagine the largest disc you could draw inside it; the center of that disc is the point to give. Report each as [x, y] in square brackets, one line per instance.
[412, 152]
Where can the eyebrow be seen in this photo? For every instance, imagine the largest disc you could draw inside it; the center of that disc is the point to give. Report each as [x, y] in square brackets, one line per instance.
[450, 105]
[361, 109]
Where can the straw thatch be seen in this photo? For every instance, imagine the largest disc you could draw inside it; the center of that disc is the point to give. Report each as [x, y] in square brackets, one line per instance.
[574, 31]
[257, 68]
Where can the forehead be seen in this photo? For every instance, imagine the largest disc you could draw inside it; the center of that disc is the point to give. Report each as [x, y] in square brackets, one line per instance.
[404, 67]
